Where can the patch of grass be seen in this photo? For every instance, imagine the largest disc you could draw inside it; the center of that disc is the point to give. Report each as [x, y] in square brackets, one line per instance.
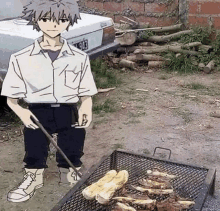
[186, 63]
[132, 121]
[163, 77]
[104, 76]
[107, 106]
[199, 34]
[136, 114]
[162, 155]
[139, 107]
[146, 34]
[117, 146]
[196, 86]
[130, 92]
[146, 151]
[100, 121]
[204, 90]
[184, 113]
[138, 99]
[10, 116]
[182, 64]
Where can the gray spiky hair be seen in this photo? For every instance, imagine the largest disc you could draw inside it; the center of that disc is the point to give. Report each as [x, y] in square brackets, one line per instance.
[37, 9]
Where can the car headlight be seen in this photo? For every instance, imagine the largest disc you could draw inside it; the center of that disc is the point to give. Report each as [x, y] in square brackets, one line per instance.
[108, 35]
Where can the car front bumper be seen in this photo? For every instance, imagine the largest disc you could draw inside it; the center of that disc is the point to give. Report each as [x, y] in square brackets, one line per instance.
[102, 50]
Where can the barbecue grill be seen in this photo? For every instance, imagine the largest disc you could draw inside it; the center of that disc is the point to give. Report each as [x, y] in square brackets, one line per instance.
[192, 182]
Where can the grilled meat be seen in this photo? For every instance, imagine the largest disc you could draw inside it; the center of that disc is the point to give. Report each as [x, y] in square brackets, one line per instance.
[152, 191]
[123, 207]
[141, 202]
[147, 183]
[161, 174]
[174, 204]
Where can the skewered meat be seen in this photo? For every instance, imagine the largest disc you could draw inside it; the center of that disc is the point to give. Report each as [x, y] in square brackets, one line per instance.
[123, 207]
[152, 191]
[174, 204]
[162, 174]
[124, 199]
[147, 183]
[109, 189]
[186, 204]
[168, 206]
[135, 196]
[91, 191]
[146, 203]
[158, 178]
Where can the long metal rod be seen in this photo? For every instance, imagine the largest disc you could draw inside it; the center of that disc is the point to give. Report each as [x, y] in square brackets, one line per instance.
[55, 145]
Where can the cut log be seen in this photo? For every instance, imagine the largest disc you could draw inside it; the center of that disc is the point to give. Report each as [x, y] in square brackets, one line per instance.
[151, 49]
[205, 48]
[192, 44]
[194, 62]
[169, 37]
[201, 66]
[132, 58]
[188, 45]
[153, 64]
[126, 38]
[130, 24]
[127, 63]
[130, 49]
[209, 67]
[144, 90]
[105, 90]
[147, 44]
[150, 57]
[121, 26]
[158, 29]
[164, 49]
[115, 60]
[175, 43]
[179, 50]
[178, 54]
[133, 21]
[123, 56]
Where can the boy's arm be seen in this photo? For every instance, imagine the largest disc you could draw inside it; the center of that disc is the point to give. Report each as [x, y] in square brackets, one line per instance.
[87, 89]
[22, 113]
[85, 111]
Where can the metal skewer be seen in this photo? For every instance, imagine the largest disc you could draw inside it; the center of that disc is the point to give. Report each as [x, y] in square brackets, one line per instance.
[55, 145]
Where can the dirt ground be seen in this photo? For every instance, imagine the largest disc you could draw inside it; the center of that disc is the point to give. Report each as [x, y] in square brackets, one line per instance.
[173, 113]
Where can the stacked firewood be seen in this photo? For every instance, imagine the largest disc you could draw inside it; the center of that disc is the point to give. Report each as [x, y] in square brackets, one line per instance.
[135, 50]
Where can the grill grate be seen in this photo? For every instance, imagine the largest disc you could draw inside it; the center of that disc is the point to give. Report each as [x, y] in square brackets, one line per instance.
[189, 183]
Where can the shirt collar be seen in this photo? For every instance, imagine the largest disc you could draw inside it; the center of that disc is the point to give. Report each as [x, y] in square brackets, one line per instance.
[37, 48]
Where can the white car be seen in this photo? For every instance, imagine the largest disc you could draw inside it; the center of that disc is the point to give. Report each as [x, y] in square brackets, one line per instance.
[93, 34]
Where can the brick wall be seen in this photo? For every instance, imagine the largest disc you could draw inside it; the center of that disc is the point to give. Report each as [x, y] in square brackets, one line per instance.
[204, 12]
[155, 12]
[158, 12]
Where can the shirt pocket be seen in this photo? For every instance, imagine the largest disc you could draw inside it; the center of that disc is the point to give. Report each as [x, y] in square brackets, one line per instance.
[72, 78]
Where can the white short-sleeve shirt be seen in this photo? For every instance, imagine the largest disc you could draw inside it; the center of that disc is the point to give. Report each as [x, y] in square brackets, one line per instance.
[35, 78]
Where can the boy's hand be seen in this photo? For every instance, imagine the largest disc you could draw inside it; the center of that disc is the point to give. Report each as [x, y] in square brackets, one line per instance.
[85, 118]
[22, 113]
[85, 112]
[25, 117]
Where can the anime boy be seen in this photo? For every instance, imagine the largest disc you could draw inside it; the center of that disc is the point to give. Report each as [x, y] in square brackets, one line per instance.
[51, 76]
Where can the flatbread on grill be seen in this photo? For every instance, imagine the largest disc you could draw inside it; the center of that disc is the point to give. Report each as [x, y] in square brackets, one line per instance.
[91, 191]
[109, 189]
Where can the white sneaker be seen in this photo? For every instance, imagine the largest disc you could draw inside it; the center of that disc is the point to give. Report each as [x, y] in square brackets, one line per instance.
[68, 176]
[33, 179]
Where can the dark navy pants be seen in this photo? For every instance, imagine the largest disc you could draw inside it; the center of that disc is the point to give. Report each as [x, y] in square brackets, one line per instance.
[69, 139]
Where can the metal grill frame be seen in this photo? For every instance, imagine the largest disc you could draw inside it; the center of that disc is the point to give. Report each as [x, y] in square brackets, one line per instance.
[208, 186]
